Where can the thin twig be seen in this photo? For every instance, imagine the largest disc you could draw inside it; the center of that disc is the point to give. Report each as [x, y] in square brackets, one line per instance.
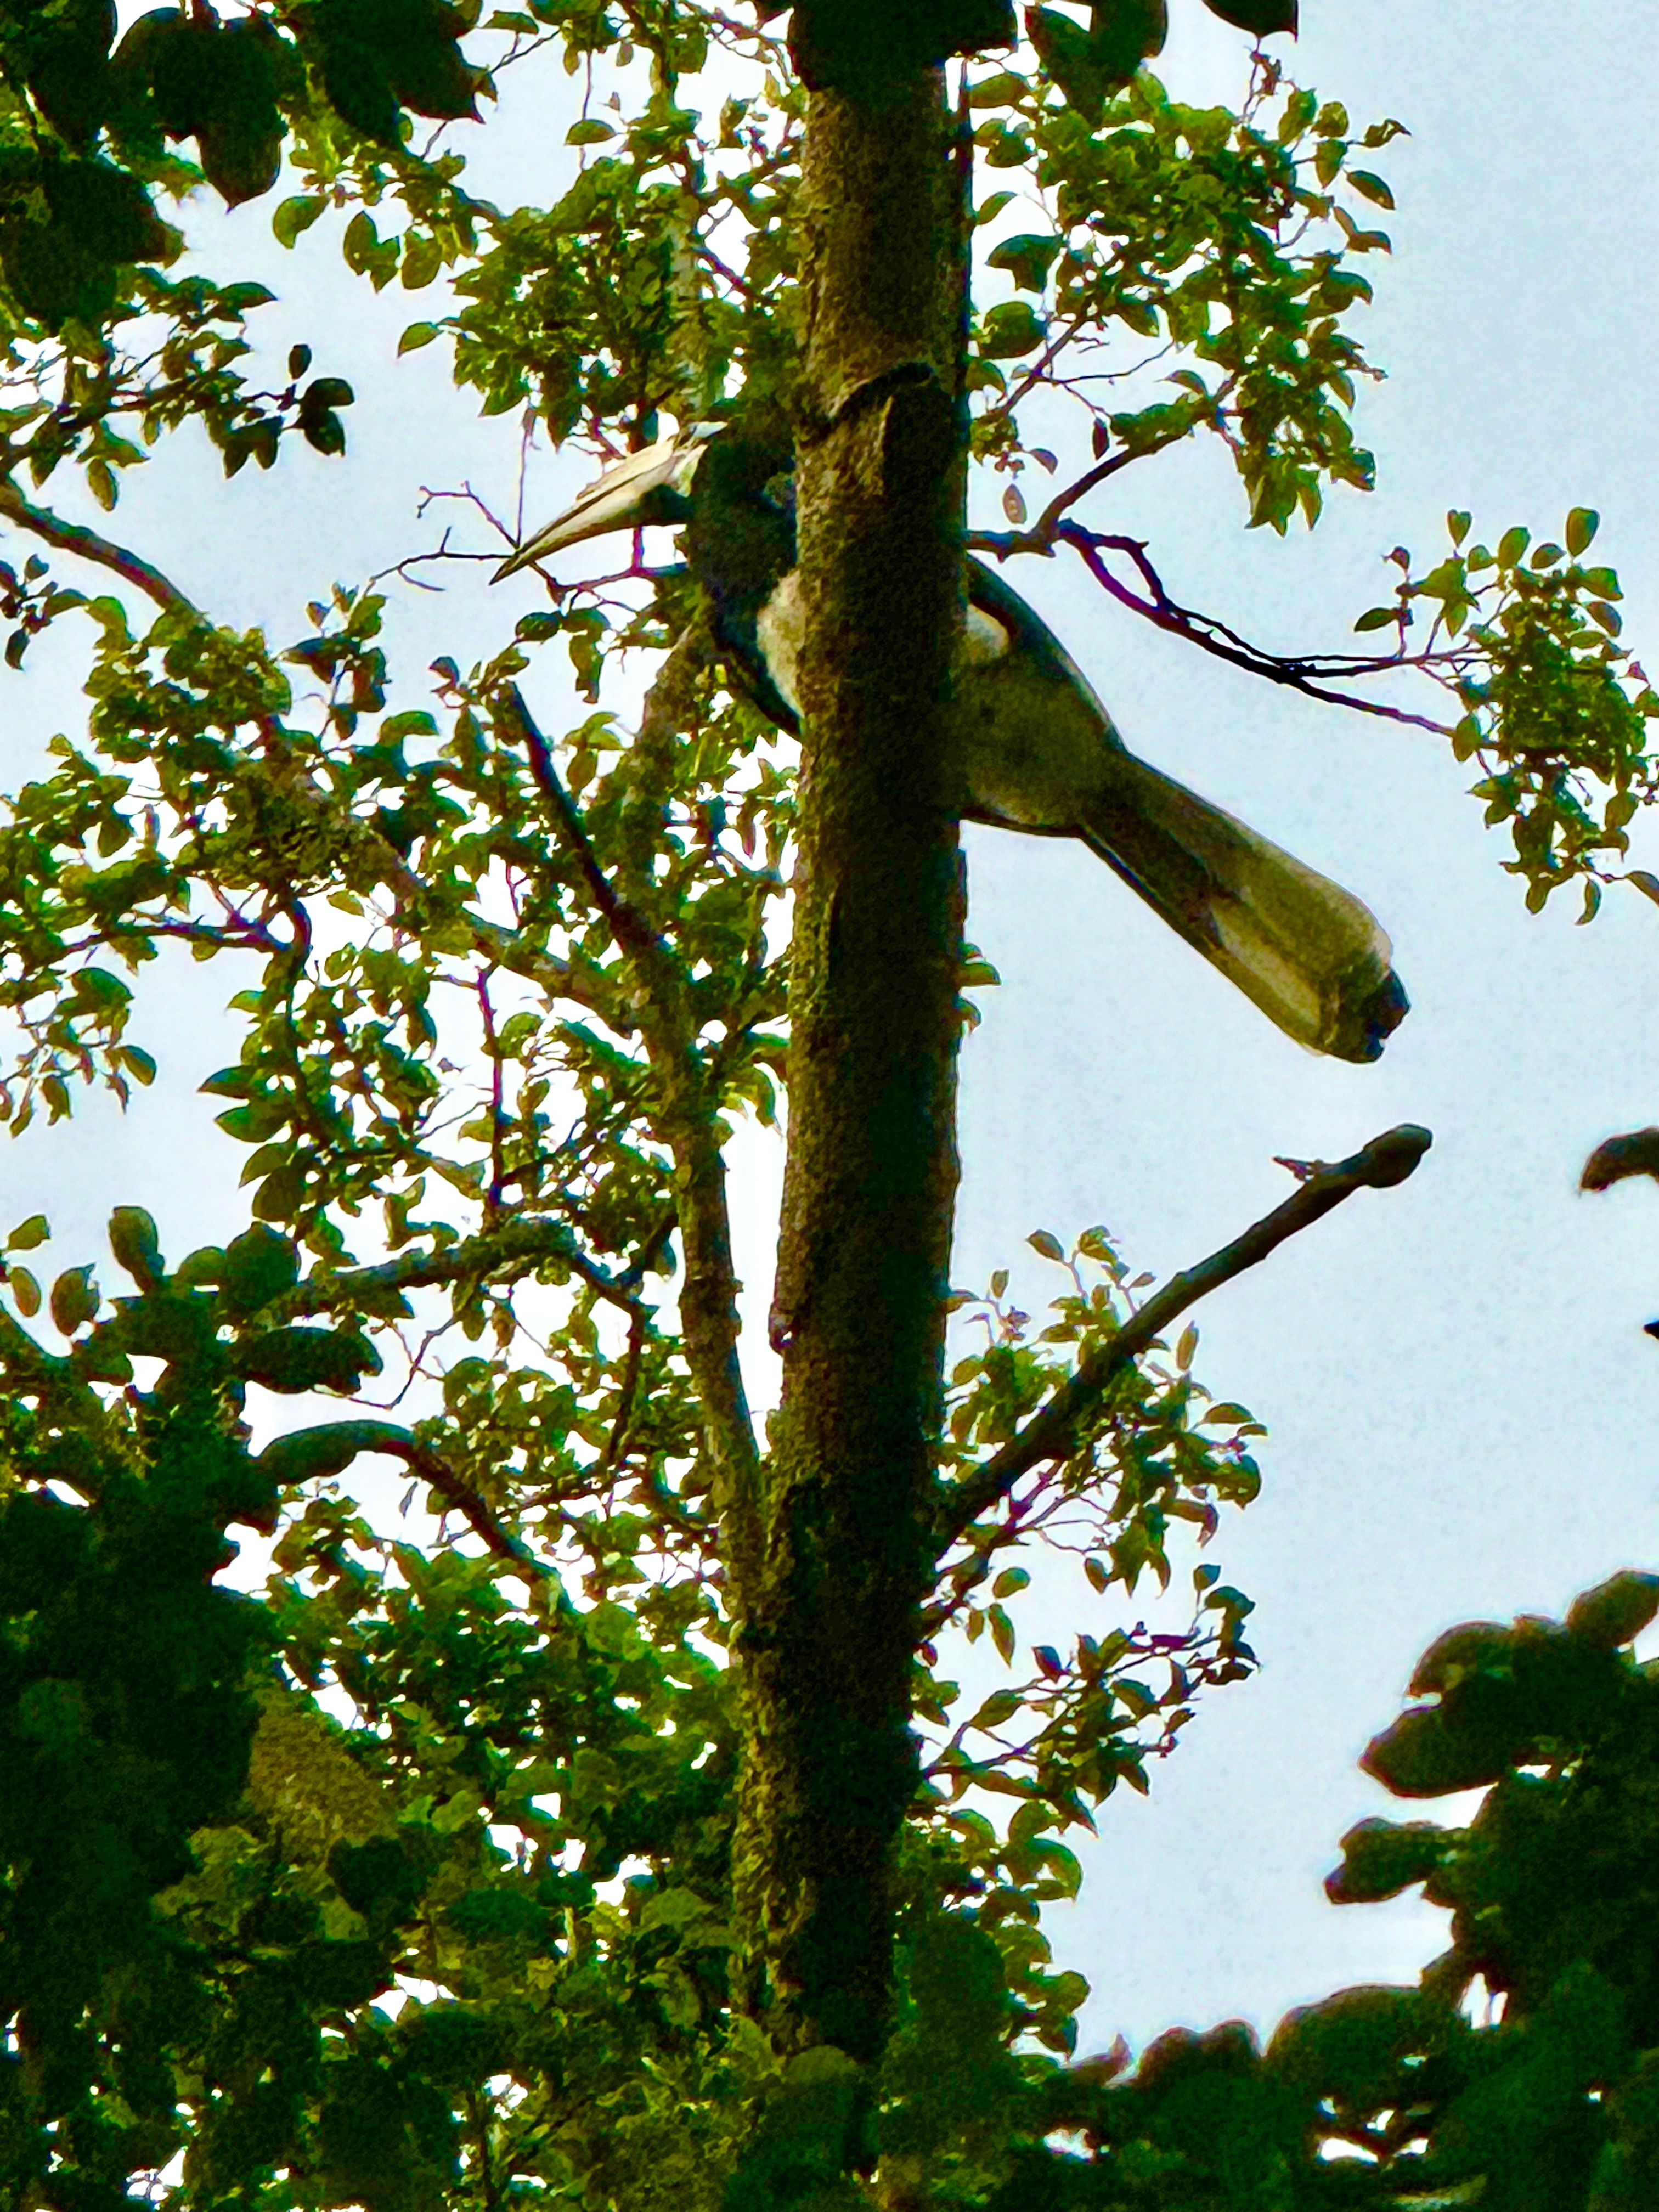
[1311, 675]
[1049, 520]
[345, 1440]
[497, 1113]
[1214, 637]
[1051, 1432]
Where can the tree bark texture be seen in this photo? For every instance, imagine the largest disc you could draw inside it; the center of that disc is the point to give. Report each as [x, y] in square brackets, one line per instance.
[858, 1310]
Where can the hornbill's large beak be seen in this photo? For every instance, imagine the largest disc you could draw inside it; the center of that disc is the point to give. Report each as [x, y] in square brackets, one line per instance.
[649, 486]
[1037, 751]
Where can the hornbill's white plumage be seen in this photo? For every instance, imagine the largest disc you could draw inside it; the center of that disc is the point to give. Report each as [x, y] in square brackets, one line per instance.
[1037, 750]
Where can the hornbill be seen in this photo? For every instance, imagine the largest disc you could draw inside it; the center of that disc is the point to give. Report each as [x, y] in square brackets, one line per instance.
[1038, 751]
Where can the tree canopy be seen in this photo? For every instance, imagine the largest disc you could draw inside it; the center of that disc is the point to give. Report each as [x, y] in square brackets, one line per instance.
[435, 1861]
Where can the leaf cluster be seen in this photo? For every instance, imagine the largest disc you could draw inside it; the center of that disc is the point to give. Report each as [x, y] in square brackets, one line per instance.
[1555, 710]
[88, 120]
[444, 1918]
[1541, 2095]
[477, 1935]
[1225, 240]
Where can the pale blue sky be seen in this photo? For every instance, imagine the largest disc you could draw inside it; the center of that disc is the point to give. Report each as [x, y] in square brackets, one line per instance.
[1461, 1399]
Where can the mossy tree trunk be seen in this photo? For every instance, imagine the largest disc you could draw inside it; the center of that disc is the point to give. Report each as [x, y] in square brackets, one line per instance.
[858, 1310]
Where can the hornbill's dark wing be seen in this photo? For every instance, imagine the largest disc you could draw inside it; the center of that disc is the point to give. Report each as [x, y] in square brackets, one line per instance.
[1038, 751]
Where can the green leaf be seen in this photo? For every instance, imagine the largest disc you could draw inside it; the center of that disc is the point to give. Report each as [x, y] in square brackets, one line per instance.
[64, 55]
[1616, 1611]
[1004, 89]
[1089, 65]
[1001, 1705]
[590, 132]
[868, 48]
[1044, 1242]
[1472, 1646]
[25, 1289]
[74, 1301]
[419, 335]
[1371, 187]
[300, 1358]
[1582, 527]
[63, 244]
[422, 259]
[1381, 1857]
[381, 56]
[1010, 331]
[307, 1455]
[29, 1234]
[1261, 18]
[137, 1245]
[296, 214]
[318, 423]
[258, 1266]
[1027, 258]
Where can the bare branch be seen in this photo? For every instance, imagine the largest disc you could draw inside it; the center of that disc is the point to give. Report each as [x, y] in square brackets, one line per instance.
[74, 537]
[622, 1427]
[437, 1473]
[1049, 521]
[1298, 674]
[688, 1090]
[1051, 1433]
[633, 932]
[517, 1245]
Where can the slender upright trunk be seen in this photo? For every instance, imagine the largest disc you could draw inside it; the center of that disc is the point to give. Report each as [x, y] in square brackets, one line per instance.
[858, 1310]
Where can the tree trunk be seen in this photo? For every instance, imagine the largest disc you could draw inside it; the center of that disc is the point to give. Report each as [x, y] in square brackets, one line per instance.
[859, 1313]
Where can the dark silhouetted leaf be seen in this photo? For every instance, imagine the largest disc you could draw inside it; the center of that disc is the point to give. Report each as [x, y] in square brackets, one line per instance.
[1262, 18]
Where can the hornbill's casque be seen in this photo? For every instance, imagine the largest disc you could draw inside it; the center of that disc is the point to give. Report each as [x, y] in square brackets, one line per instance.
[1038, 750]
